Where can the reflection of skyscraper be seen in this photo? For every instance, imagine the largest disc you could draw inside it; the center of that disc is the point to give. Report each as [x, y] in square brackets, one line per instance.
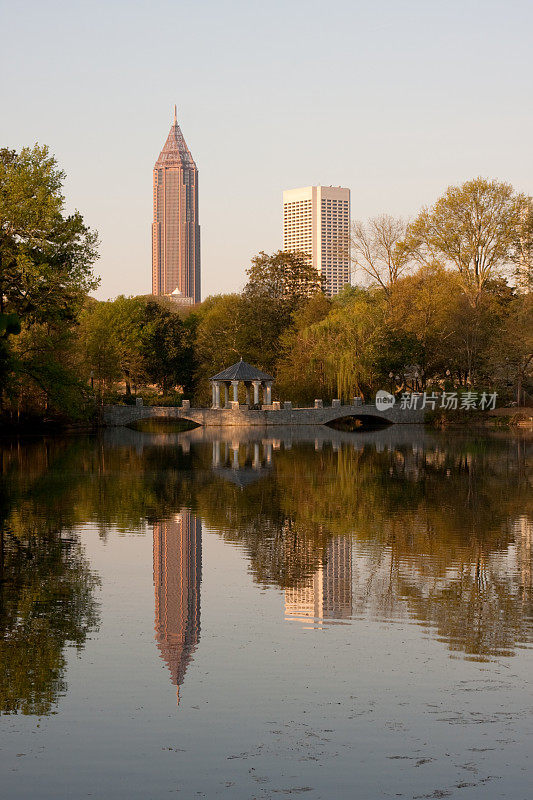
[523, 531]
[177, 576]
[327, 594]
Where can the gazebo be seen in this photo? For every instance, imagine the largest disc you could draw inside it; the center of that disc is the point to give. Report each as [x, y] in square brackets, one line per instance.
[241, 372]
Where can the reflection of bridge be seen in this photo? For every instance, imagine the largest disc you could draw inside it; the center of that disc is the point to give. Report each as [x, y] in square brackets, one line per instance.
[271, 415]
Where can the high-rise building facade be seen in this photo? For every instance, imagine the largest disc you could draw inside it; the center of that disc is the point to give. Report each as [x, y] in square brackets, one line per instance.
[175, 229]
[316, 221]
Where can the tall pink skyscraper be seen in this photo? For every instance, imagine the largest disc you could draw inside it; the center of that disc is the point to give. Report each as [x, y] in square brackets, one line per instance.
[175, 229]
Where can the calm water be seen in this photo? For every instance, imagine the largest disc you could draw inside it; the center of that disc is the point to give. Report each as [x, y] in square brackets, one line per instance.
[331, 615]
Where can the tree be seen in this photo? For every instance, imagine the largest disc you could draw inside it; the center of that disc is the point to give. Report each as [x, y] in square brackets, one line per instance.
[99, 348]
[522, 250]
[379, 251]
[46, 262]
[278, 286]
[510, 354]
[167, 348]
[284, 277]
[45, 257]
[221, 333]
[127, 317]
[418, 325]
[46, 376]
[471, 228]
[334, 357]
[9, 326]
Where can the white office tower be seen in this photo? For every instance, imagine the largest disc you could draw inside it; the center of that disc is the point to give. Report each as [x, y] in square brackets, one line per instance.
[316, 221]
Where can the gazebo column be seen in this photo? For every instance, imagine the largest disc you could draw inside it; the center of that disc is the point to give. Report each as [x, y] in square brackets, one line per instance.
[256, 385]
[216, 394]
[267, 393]
[226, 395]
[248, 394]
[235, 385]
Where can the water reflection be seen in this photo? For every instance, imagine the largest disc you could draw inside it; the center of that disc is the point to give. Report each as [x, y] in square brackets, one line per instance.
[424, 530]
[327, 594]
[242, 464]
[177, 577]
[394, 525]
[46, 585]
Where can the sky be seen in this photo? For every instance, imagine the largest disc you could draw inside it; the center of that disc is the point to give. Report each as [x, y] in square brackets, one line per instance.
[396, 99]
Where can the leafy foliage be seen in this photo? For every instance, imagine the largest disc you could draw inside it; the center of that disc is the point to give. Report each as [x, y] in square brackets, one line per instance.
[46, 262]
[471, 228]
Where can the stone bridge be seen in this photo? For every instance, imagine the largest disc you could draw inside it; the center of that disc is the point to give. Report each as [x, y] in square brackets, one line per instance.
[242, 416]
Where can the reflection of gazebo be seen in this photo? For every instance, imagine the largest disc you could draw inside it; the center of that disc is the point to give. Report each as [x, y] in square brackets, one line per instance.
[241, 372]
[242, 463]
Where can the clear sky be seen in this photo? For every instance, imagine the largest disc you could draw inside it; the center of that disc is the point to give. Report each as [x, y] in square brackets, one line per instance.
[396, 99]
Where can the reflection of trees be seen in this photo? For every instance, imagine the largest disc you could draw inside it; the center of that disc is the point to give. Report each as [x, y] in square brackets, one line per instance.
[281, 551]
[46, 603]
[430, 527]
[46, 587]
[433, 528]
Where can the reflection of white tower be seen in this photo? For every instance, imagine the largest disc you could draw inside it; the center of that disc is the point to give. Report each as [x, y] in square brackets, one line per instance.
[523, 531]
[177, 576]
[327, 594]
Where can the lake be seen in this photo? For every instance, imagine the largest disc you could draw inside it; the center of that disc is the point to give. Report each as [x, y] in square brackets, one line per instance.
[266, 613]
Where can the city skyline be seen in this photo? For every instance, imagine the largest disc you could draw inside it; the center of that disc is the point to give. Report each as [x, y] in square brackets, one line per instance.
[410, 99]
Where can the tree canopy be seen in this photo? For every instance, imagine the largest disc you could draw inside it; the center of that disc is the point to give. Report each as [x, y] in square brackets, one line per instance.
[471, 228]
[46, 256]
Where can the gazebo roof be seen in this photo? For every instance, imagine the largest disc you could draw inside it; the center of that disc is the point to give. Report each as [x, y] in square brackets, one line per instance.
[241, 371]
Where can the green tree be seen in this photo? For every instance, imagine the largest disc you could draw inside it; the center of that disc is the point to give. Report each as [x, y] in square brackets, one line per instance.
[166, 345]
[46, 262]
[45, 257]
[47, 375]
[285, 277]
[335, 356]
[127, 319]
[98, 344]
[418, 323]
[471, 228]
[509, 359]
[278, 286]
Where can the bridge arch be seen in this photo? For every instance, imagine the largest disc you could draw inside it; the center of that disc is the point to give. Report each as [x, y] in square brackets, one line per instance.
[355, 422]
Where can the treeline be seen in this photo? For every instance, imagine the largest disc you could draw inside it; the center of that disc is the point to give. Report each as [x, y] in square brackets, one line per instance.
[442, 301]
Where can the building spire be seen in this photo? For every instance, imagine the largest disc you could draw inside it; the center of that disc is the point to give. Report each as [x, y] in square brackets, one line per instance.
[175, 114]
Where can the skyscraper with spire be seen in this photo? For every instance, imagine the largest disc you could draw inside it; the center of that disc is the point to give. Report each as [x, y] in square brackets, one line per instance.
[175, 229]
